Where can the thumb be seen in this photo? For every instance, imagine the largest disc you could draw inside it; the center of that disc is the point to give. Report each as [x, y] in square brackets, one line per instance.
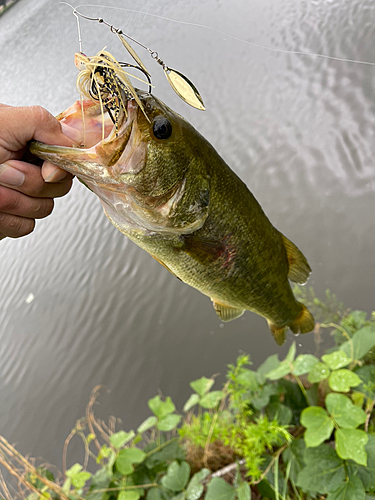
[35, 122]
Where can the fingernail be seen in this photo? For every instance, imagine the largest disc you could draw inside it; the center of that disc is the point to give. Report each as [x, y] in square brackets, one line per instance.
[51, 173]
[10, 176]
[72, 133]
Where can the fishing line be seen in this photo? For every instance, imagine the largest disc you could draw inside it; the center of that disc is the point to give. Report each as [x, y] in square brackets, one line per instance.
[234, 37]
[183, 87]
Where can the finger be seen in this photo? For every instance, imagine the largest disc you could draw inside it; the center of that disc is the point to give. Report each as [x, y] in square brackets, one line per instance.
[27, 179]
[52, 173]
[21, 124]
[14, 226]
[15, 203]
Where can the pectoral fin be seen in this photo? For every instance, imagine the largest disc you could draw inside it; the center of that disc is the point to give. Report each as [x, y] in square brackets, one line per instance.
[202, 250]
[227, 313]
[299, 269]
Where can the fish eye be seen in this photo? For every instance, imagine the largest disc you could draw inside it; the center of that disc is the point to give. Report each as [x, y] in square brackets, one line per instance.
[162, 127]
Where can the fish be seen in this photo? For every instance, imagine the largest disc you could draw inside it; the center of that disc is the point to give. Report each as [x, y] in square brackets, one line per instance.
[164, 186]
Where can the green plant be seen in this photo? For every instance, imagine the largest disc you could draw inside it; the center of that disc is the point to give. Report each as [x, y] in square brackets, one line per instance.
[297, 429]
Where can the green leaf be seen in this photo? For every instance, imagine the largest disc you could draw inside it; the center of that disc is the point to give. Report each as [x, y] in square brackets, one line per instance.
[195, 487]
[106, 452]
[192, 401]
[343, 380]
[262, 397]
[274, 479]
[243, 491]
[345, 413]
[211, 399]
[336, 360]
[355, 320]
[293, 398]
[138, 438]
[291, 353]
[350, 444]
[358, 398]
[359, 345]
[284, 368]
[248, 379]
[80, 479]
[269, 364]
[319, 372]
[168, 423]
[74, 470]
[283, 414]
[181, 496]
[367, 474]
[367, 375]
[130, 494]
[351, 490]
[170, 451]
[218, 489]
[101, 478]
[294, 454]
[147, 424]
[324, 470]
[319, 425]
[161, 408]
[120, 438]
[177, 476]
[304, 364]
[312, 394]
[202, 385]
[126, 458]
[155, 494]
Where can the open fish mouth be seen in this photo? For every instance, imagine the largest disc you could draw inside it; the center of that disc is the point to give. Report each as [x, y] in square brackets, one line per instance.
[112, 143]
[107, 149]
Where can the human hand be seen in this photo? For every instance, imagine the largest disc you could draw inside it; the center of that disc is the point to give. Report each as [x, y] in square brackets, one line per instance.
[26, 190]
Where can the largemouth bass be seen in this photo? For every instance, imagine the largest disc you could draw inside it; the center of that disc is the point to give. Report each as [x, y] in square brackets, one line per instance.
[164, 186]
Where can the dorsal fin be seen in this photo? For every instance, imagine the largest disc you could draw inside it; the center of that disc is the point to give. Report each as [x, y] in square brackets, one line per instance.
[299, 268]
[227, 313]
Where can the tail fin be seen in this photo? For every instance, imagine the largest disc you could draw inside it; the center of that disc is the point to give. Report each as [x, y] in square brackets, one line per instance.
[303, 323]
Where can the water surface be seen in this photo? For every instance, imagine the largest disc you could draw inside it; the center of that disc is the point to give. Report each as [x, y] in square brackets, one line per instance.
[299, 130]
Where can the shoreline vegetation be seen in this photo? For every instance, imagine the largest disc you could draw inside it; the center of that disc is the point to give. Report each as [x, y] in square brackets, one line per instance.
[299, 428]
[5, 5]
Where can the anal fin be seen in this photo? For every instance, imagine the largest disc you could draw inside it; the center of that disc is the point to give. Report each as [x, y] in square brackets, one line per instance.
[227, 313]
[299, 269]
[279, 333]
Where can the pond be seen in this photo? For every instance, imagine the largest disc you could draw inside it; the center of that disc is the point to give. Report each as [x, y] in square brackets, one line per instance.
[80, 304]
